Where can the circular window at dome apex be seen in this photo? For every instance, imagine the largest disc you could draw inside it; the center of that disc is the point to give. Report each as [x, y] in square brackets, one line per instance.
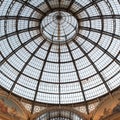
[59, 27]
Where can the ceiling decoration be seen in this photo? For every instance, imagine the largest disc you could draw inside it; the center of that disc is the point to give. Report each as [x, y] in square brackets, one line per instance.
[60, 51]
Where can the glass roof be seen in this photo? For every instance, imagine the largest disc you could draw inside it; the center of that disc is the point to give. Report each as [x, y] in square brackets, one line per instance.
[59, 27]
[60, 115]
[84, 67]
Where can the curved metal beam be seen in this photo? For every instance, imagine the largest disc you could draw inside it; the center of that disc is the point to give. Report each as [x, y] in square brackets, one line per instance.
[94, 66]
[117, 16]
[78, 76]
[19, 17]
[47, 2]
[40, 76]
[119, 1]
[59, 75]
[19, 47]
[101, 48]
[87, 6]
[31, 6]
[1, 1]
[15, 33]
[99, 31]
[23, 68]
[71, 3]
[19, 31]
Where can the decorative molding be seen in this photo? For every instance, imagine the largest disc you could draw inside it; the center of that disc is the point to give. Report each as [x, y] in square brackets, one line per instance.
[57, 109]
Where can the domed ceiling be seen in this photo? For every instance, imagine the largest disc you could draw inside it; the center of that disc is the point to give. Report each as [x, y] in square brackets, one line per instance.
[60, 51]
[60, 115]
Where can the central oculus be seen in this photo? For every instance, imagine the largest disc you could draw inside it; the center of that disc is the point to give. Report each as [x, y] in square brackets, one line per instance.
[59, 27]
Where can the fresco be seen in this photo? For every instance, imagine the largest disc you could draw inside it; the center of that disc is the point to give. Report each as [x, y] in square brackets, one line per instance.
[116, 108]
[10, 109]
[108, 112]
[2, 119]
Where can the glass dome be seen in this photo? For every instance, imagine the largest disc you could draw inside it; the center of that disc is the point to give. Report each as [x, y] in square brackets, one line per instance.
[59, 27]
[60, 115]
[84, 67]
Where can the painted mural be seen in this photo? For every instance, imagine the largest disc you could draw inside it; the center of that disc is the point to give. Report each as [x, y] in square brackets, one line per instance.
[10, 109]
[107, 107]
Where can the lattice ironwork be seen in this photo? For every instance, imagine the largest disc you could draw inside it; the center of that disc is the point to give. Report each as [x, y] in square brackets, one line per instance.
[84, 67]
